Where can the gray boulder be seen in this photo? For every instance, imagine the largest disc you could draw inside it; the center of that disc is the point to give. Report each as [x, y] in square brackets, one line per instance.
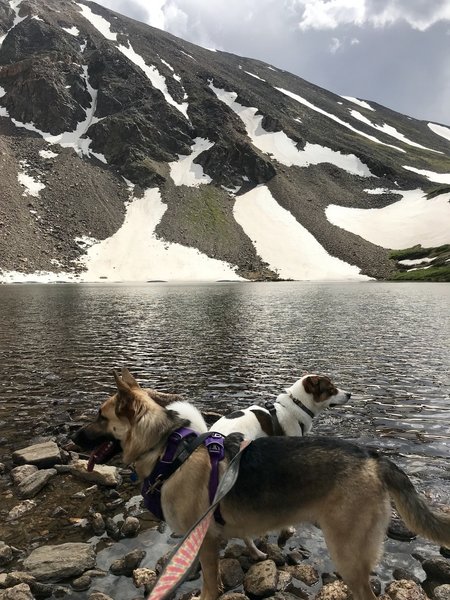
[18, 474]
[6, 554]
[60, 562]
[42, 455]
[261, 579]
[33, 484]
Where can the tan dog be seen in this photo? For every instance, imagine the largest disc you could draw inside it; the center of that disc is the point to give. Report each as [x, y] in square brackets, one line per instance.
[342, 487]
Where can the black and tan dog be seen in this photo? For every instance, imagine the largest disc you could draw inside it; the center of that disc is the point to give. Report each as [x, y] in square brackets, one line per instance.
[282, 480]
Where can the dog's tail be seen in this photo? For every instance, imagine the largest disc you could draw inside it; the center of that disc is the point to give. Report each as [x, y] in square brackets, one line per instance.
[412, 507]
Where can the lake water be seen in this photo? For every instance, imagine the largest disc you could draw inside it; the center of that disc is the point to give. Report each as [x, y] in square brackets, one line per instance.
[226, 345]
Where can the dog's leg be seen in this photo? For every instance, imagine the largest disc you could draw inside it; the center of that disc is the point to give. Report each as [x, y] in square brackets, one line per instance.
[355, 545]
[209, 560]
[255, 553]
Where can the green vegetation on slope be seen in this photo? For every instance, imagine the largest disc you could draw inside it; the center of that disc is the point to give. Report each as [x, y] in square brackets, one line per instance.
[438, 269]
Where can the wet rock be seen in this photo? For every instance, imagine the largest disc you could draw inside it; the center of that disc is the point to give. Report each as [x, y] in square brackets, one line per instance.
[405, 590]
[261, 579]
[81, 583]
[130, 527]
[127, 564]
[42, 455]
[97, 522]
[288, 596]
[334, 591]
[233, 596]
[273, 552]
[397, 529]
[112, 529]
[437, 568]
[18, 474]
[6, 554]
[304, 572]
[33, 484]
[442, 592]
[295, 557]
[234, 551]
[284, 581]
[18, 592]
[143, 577]
[231, 573]
[99, 596]
[19, 510]
[401, 573]
[61, 561]
[2, 468]
[375, 584]
[102, 474]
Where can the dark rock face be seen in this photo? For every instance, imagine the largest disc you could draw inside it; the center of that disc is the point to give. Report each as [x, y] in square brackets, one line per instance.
[58, 72]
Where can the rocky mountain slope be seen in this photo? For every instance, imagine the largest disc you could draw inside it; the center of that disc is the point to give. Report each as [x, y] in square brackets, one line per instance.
[129, 154]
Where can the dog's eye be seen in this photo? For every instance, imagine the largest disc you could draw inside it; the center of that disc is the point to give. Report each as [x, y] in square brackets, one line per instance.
[101, 417]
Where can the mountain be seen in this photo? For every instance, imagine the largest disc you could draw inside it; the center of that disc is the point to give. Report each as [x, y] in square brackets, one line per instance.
[128, 154]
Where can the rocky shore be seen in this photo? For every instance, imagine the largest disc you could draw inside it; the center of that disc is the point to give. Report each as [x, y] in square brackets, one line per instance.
[69, 533]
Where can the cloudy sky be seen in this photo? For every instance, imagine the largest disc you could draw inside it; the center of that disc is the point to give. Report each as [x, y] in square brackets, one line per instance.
[395, 52]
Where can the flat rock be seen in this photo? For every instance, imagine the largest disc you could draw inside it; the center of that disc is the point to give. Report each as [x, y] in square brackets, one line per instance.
[18, 474]
[18, 592]
[18, 511]
[99, 596]
[261, 579]
[61, 561]
[106, 475]
[33, 484]
[42, 455]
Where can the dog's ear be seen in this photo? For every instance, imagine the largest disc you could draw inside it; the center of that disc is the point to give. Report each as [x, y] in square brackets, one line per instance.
[125, 398]
[310, 384]
[128, 378]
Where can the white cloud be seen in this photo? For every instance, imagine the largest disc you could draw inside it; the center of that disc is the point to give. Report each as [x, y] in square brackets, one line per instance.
[335, 44]
[330, 14]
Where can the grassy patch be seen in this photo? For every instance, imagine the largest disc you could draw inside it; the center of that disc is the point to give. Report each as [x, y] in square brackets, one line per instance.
[431, 274]
[439, 269]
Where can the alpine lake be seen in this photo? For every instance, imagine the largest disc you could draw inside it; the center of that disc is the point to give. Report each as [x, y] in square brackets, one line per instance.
[225, 346]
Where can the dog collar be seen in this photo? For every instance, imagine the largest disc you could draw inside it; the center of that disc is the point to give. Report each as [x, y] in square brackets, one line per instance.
[300, 404]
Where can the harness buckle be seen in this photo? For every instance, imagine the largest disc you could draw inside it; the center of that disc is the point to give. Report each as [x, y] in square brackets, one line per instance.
[154, 486]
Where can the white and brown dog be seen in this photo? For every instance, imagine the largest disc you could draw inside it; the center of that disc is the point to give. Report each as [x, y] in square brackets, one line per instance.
[292, 413]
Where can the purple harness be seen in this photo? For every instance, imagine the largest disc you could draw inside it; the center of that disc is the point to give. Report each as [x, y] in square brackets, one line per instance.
[173, 459]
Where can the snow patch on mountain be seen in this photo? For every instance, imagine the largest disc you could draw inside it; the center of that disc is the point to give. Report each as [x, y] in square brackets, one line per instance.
[440, 130]
[284, 244]
[185, 172]
[388, 130]
[431, 175]
[100, 23]
[335, 118]
[69, 139]
[72, 30]
[15, 6]
[134, 253]
[2, 92]
[405, 223]
[47, 154]
[157, 80]
[255, 76]
[283, 148]
[32, 185]
[359, 102]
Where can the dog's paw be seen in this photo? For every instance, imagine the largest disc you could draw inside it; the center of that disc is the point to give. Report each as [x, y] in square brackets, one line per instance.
[285, 534]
